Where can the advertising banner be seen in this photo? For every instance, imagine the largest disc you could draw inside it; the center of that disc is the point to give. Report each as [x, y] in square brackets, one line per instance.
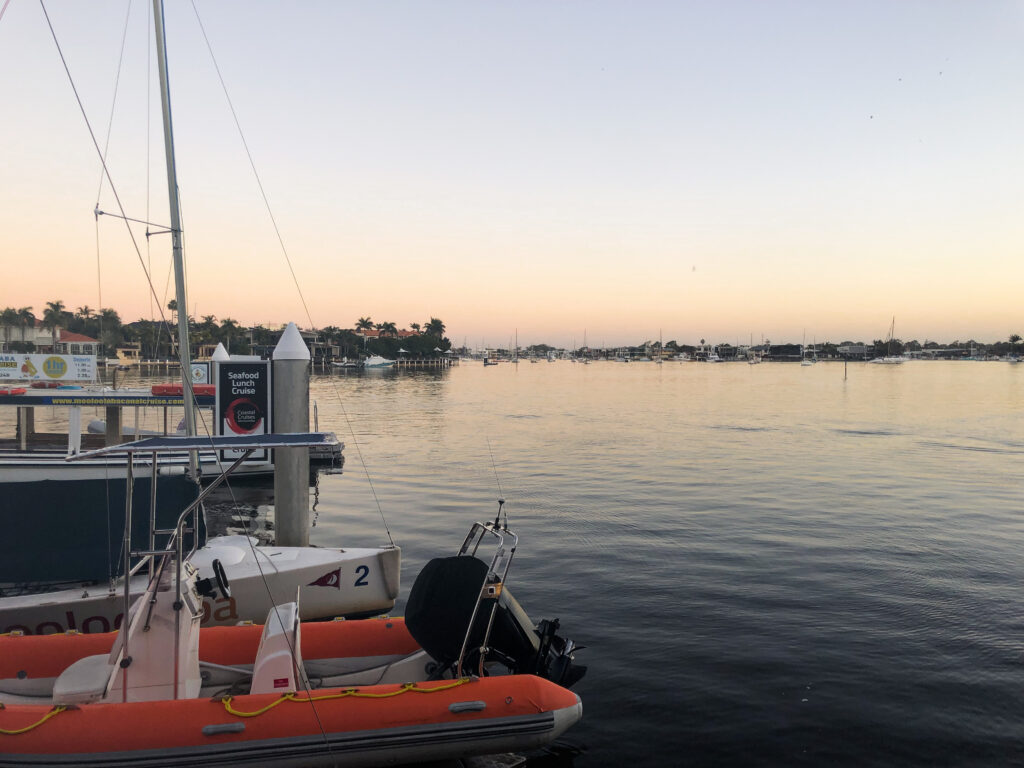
[18, 366]
[243, 402]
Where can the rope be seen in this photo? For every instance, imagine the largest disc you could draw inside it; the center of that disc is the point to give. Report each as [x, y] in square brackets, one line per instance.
[348, 693]
[52, 713]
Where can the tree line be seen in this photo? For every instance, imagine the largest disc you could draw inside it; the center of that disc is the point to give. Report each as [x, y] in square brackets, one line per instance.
[158, 339]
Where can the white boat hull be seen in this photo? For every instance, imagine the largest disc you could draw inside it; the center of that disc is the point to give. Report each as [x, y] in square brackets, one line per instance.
[332, 582]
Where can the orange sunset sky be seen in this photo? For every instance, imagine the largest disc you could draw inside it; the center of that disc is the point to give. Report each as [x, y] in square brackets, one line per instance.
[702, 170]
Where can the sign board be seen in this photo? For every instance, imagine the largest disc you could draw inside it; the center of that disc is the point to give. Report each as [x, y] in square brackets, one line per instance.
[19, 366]
[200, 373]
[243, 402]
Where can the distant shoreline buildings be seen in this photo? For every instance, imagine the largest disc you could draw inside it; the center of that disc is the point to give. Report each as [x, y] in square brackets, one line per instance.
[102, 333]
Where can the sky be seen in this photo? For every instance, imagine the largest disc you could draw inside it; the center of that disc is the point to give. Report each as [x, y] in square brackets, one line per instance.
[544, 170]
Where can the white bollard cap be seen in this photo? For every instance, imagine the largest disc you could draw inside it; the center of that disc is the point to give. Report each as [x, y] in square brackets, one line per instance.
[220, 354]
[291, 346]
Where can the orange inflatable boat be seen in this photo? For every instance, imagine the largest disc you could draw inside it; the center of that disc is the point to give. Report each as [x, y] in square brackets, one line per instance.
[163, 692]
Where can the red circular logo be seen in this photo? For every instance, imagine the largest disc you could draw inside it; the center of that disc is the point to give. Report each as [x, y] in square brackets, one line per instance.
[243, 416]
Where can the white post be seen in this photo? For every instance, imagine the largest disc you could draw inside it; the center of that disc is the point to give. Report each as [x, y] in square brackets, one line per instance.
[291, 363]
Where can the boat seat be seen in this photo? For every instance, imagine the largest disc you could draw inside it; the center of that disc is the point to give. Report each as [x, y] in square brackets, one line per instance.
[278, 666]
[85, 681]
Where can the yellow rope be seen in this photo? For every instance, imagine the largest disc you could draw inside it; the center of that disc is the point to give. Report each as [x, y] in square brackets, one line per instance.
[347, 693]
[52, 713]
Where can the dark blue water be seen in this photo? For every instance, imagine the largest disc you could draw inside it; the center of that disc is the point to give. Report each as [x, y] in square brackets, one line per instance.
[769, 565]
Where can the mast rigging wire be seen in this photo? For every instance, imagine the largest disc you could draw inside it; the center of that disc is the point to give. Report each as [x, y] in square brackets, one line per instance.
[291, 268]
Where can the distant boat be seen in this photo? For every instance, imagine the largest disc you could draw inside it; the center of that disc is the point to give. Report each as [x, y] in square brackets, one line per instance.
[804, 359]
[890, 358]
[376, 361]
[346, 363]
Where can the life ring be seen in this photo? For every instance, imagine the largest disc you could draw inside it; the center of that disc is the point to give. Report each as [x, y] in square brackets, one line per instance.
[45, 384]
[176, 389]
[12, 390]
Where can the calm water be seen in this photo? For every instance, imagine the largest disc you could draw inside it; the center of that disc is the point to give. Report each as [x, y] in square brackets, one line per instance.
[769, 565]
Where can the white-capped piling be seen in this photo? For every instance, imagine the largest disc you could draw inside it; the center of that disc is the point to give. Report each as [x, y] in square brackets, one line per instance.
[291, 414]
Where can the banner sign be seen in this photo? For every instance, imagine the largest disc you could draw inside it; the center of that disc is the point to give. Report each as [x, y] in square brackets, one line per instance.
[243, 402]
[15, 366]
[200, 373]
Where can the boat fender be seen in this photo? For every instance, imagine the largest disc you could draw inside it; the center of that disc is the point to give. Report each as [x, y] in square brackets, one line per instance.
[12, 390]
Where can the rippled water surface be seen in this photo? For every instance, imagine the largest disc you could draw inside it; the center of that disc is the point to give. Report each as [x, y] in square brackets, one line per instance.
[768, 564]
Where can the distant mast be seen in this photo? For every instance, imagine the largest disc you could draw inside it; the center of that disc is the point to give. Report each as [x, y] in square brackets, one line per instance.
[176, 248]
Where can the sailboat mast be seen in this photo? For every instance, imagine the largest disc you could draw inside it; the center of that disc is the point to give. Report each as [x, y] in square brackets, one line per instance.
[175, 205]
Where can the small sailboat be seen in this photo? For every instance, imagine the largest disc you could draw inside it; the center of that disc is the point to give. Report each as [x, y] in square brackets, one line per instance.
[804, 358]
[754, 358]
[889, 358]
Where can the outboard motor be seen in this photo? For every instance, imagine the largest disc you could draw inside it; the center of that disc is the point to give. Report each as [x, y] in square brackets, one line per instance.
[460, 612]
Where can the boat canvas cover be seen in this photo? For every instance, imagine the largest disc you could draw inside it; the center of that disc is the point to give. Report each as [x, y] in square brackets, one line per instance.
[71, 530]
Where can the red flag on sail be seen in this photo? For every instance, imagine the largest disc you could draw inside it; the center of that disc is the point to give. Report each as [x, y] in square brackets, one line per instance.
[332, 579]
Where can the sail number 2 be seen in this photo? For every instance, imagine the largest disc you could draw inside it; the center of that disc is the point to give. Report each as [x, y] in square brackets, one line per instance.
[363, 571]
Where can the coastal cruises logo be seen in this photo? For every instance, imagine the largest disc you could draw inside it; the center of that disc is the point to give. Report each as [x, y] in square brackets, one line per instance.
[243, 416]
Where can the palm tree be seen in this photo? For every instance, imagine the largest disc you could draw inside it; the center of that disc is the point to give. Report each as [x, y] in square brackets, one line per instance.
[207, 330]
[110, 326]
[8, 316]
[1014, 340]
[26, 317]
[435, 327]
[52, 316]
[228, 328]
[388, 328]
[364, 324]
[415, 326]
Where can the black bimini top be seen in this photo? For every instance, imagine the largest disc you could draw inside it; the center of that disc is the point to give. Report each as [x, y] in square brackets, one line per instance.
[168, 444]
